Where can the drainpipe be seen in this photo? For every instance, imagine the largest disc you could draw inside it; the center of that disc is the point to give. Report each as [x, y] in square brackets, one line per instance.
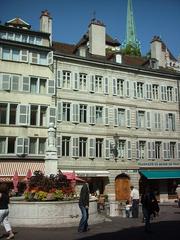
[178, 95]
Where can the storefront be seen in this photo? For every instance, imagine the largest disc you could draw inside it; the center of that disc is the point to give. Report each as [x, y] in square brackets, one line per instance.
[162, 181]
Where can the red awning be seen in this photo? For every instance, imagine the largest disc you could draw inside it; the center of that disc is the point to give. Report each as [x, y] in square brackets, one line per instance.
[72, 176]
[8, 168]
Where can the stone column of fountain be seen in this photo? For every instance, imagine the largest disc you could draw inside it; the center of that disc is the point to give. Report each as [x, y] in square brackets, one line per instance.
[51, 152]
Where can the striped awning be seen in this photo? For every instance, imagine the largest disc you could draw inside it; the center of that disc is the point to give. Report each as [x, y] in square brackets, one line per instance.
[8, 168]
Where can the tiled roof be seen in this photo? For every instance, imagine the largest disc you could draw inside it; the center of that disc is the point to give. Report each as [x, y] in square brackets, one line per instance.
[133, 60]
[63, 48]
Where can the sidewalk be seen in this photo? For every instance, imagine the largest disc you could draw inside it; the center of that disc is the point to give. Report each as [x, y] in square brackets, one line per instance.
[166, 226]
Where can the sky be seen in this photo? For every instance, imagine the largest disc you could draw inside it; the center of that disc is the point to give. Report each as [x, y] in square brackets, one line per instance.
[72, 17]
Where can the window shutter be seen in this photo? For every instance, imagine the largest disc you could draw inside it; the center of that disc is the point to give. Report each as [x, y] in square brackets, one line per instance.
[24, 55]
[92, 84]
[173, 122]
[135, 89]
[129, 152]
[165, 93]
[75, 113]
[175, 94]
[148, 120]
[91, 148]
[26, 84]
[137, 119]
[106, 86]
[75, 147]
[149, 150]
[107, 148]
[165, 151]
[115, 117]
[178, 151]
[23, 114]
[50, 58]
[106, 110]
[59, 79]
[168, 150]
[26, 146]
[15, 82]
[59, 146]
[159, 120]
[162, 93]
[155, 120]
[51, 87]
[6, 82]
[59, 111]
[127, 89]
[19, 146]
[75, 81]
[148, 91]
[114, 82]
[137, 150]
[128, 116]
[52, 115]
[92, 115]
[167, 122]
[153, 150]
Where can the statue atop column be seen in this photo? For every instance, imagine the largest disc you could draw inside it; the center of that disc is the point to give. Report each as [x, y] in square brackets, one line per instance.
[51, 137]
[51, 152]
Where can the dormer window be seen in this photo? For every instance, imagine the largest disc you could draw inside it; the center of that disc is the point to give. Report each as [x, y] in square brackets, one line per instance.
[24, 38]
[10, 36]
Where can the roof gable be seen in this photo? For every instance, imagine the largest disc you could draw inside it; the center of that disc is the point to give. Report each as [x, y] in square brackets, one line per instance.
[18, 22]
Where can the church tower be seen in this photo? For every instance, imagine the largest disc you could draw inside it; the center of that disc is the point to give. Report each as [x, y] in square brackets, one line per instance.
[131, 44]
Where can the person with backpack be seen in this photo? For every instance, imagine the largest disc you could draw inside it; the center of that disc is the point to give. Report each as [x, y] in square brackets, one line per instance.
[149, 207]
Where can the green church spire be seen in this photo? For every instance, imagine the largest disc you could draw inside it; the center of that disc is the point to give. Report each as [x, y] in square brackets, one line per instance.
[131, 44]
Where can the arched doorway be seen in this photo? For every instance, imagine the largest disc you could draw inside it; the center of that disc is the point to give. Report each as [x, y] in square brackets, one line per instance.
[122, 187]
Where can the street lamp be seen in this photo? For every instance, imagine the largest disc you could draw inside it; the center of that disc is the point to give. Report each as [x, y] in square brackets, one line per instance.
[115, 147]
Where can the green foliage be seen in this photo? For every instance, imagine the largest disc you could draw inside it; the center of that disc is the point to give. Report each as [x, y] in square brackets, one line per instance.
[131, 50]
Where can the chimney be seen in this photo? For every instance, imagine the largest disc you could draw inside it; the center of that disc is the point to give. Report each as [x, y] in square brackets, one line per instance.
[157, 51]
[46, 23]
[118, 57]
[97, 38]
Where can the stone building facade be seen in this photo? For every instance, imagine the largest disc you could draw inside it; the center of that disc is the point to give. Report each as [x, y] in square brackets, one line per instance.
[113, 113]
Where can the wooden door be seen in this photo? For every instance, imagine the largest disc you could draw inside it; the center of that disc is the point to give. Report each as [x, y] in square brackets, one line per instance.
[122, 189]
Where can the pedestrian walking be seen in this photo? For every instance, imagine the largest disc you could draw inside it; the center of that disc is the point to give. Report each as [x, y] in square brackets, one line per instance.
[149, 207]
[84, 207]
[134, 195]
[178, 194]
[4, 210]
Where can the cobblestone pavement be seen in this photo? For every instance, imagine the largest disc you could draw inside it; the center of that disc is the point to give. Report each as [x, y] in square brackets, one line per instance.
[166, 227]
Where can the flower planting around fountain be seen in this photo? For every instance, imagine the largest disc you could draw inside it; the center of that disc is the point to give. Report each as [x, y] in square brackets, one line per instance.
[49, 188]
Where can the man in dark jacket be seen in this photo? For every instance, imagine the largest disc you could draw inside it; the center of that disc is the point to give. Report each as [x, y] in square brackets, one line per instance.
[84, 207]
[149, 206]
